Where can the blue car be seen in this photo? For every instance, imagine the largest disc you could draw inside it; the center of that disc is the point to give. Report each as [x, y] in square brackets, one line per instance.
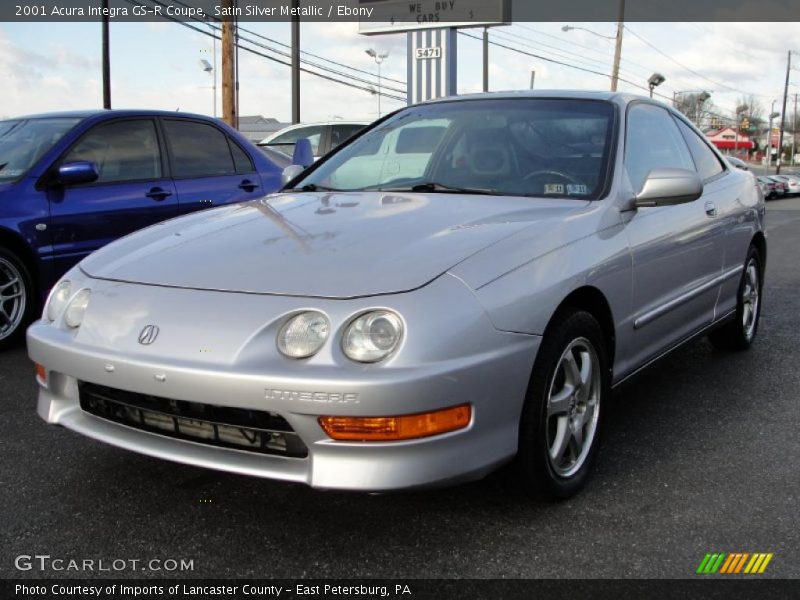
[72, 182]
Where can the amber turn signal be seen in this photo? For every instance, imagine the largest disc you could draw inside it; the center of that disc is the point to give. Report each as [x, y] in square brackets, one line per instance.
[404, 427]
[41, 373]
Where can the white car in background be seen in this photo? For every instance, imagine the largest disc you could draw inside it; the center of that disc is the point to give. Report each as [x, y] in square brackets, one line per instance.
[738, 163]
[324, 137]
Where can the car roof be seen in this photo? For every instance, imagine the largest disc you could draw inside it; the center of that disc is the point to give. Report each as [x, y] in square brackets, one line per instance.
[127, 112]
[555, 94]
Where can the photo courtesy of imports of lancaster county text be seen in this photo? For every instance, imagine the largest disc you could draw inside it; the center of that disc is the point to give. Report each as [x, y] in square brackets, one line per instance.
[399, 299]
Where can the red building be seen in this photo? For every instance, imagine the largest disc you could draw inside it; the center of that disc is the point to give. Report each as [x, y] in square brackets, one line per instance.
[726, 140]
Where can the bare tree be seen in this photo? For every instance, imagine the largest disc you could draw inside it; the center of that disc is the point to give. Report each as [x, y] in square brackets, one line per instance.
[698, 108]
[754, 114]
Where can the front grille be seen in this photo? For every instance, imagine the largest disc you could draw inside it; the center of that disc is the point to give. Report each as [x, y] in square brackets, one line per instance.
[243, 429]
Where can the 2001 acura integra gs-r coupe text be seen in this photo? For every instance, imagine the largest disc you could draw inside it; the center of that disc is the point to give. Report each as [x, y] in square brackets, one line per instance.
[462, 283]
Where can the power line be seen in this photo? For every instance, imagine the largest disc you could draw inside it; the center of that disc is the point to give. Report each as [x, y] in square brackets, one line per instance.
[689, 69]
[271, 58]
[585, 47]
[285, 45]
[579, 68]
[568, 55]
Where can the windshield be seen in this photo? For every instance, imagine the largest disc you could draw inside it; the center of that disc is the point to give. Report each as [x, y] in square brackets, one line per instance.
[523, 147]
[24, 141]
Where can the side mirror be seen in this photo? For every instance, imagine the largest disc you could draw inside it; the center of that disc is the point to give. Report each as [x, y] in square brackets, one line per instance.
[303, 153]
[77, 172]
[665, 187]
[290, 173]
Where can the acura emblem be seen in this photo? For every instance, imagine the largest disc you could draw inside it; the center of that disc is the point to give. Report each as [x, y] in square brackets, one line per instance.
[148, 335]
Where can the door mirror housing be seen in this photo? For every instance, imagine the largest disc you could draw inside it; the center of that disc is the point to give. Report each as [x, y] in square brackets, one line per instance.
[303, 153]
[665, 187]
[291, 172]
[78, 172]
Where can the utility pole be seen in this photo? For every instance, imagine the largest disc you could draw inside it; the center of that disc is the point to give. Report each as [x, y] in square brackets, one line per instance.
[794, 130]
[228, 86]
[618, 46]
[106, 59]
[296, 62]
[783, 112]
[485, 59]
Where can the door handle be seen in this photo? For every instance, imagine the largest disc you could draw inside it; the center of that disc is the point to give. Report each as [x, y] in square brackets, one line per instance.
[158, 194]
[711, 209]
[247, 185]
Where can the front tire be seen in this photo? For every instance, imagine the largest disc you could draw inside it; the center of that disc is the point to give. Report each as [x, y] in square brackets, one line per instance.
[739, 333]
[561, 419]
[17, 304]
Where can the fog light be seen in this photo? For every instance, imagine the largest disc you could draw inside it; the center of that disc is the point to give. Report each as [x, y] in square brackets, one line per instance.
[403, 427]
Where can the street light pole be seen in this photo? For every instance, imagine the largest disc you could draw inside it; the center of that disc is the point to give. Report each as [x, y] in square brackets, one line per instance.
[106, 59]
[654, 81]
[772, 115]
[295, 61]
[617, 46]
[783, 112]
[485, 59]
[378, 58]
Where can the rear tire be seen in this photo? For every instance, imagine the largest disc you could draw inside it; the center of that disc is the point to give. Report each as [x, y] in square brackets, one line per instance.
[17, 299]
[739, 333]
[561, 419]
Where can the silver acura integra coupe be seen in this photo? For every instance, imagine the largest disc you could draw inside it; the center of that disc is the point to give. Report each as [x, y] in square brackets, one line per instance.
[460, 285]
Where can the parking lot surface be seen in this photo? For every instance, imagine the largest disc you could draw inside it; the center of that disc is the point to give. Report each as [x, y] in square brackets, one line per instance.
[701, 454]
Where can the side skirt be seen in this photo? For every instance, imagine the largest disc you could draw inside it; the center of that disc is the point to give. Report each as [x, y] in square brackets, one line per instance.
[700, 332]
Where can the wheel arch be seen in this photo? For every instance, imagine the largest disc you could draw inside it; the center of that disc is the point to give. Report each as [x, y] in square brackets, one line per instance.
[760, 242]
[16, 245]
[593, 301]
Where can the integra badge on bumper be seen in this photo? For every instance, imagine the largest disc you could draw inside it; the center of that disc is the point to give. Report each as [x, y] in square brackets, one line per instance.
[317, 397]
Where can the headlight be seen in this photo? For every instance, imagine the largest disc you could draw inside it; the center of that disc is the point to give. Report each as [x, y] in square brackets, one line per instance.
[73, 316]
[58, 300]
[303, 335]
[372, 336]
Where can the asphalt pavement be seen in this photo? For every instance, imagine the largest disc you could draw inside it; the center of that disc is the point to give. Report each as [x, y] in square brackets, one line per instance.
[701, 454]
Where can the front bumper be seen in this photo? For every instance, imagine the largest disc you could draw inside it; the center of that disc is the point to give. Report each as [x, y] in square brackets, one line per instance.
[493, 381]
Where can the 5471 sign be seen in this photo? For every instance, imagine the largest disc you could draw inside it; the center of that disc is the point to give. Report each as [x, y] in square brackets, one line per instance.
[428, 53]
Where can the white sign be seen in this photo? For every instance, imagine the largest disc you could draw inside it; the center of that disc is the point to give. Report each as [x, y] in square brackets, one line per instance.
[392, 16]
[427, 53]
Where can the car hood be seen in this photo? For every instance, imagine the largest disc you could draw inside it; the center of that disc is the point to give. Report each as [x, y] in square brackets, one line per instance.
[333, 245]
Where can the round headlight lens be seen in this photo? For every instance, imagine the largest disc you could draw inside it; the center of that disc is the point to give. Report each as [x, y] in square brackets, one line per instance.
[73, 316]
[372, 336]
[303, 335]
[58, 300]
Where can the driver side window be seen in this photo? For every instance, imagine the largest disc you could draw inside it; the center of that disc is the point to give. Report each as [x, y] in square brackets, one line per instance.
[652, 141]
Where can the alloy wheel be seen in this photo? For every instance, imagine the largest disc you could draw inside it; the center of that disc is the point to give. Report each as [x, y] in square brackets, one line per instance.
[750, 299]
[573, 407]
[12, 298]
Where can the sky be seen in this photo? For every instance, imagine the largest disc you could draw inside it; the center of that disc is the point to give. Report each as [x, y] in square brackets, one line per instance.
[56, 66]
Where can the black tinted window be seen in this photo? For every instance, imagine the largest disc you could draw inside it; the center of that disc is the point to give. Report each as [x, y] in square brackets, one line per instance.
[241, 160]
[122, 151]
[198, 149]
[532, 147]
[653, 142]
[704, 158]
[342, 133]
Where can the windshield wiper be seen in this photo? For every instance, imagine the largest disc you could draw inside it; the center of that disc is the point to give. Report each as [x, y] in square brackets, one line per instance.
[440, 188]
[313, 187]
